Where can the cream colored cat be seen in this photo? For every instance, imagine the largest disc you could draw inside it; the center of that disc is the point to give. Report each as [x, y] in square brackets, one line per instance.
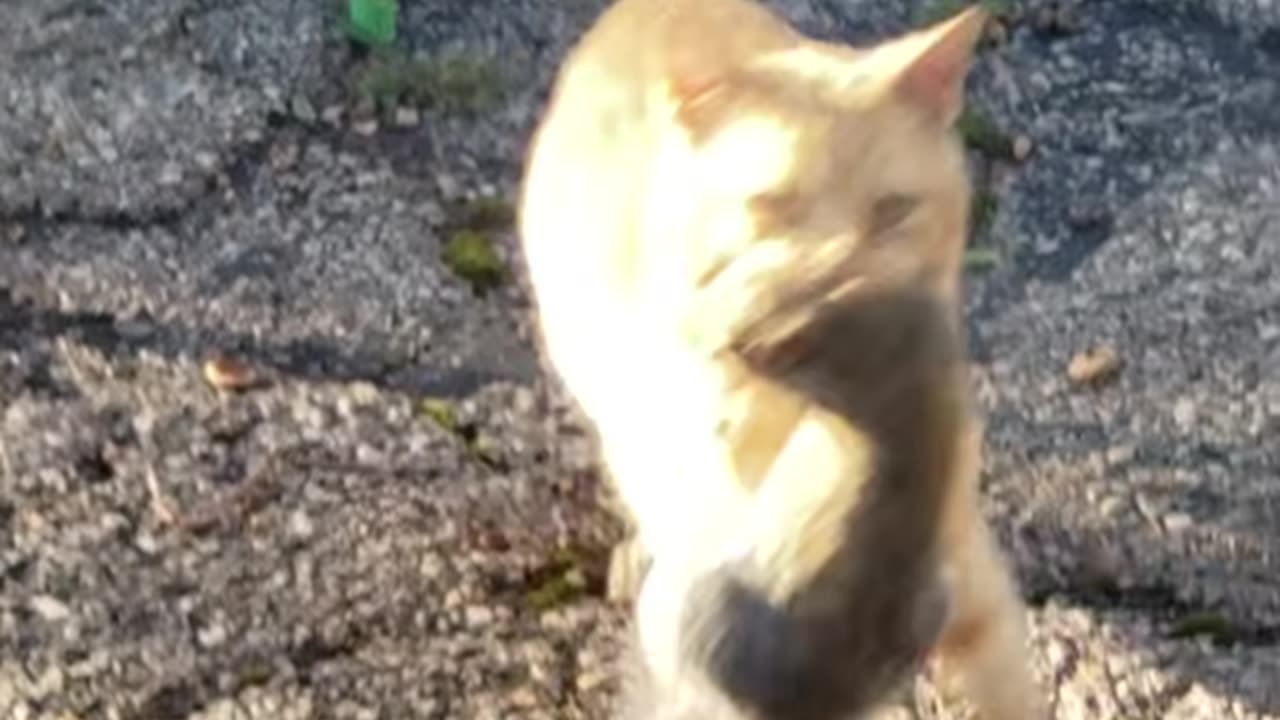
[745, 248]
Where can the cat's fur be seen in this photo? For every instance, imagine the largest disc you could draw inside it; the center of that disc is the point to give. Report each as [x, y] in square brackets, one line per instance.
[745, 247]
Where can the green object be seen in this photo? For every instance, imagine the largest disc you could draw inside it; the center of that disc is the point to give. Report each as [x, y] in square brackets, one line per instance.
[981, 259]
[982, 209]
[441, 413]
[373, 22]
[472, 256]
[981, 133]
[1206, 623]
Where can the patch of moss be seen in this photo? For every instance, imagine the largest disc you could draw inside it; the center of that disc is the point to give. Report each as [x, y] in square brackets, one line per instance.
[479, 446]
[454, 84]
[562, 580]
[484, 450]
[471, 255]
[1214, 625]
[381, 80]
[255, 672]
[486, 213]
[441, 412]
[981, 133]
[982, 211]
[389, 78]
[556, 592]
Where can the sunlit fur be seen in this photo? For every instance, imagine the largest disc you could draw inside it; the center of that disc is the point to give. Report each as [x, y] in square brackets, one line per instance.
[698, 162]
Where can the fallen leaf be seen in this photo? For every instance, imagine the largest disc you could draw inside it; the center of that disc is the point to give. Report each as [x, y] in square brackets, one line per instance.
[1093, 366]
[227, 373]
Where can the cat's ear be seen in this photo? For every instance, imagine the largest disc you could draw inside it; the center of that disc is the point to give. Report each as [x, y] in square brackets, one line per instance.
[936, 61]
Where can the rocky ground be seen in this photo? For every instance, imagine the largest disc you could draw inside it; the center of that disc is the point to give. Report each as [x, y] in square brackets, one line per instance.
[400, 520]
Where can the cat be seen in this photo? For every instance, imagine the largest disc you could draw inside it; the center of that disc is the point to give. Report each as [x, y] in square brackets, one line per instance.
[745, 251]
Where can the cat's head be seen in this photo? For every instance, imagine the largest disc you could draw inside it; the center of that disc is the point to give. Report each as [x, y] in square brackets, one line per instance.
[825, 152]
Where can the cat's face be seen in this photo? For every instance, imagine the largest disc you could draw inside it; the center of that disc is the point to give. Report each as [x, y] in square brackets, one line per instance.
[822, 155]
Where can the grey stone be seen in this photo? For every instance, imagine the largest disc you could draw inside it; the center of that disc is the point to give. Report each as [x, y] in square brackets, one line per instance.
[49, 608]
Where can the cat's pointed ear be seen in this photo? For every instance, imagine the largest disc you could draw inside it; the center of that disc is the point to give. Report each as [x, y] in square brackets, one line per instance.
[937, 61]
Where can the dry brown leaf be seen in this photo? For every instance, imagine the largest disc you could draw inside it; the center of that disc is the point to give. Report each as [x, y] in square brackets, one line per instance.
[1095, 365]
[226, 373]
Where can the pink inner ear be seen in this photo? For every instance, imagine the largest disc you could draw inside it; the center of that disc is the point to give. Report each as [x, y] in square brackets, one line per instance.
[936, 81]
[934, 78]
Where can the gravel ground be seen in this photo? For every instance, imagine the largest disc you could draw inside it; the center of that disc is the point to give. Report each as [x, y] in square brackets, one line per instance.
[185, 178]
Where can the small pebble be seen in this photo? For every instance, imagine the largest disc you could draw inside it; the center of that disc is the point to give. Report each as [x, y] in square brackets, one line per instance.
[301, 525]
[1176, 522]
[212, 635]
[524, 696]
[363, 393]
[1021, 148]
[590, 680]
[207, 161]
[302, 109]
[407, 117]
[146, 543]
[478, 616]
[333, 114]
[1184, 412]
[49, 608]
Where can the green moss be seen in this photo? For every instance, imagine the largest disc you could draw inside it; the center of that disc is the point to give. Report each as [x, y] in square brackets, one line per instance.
[1207, 623]
[441, 412]
[381, 80]
[484, 450]
[389, 78]
[454, 84]
[982, 211]
[561, 581]
[981, 133]
[555, 592]
[471, 255]
[255, 672]
[486, 213]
